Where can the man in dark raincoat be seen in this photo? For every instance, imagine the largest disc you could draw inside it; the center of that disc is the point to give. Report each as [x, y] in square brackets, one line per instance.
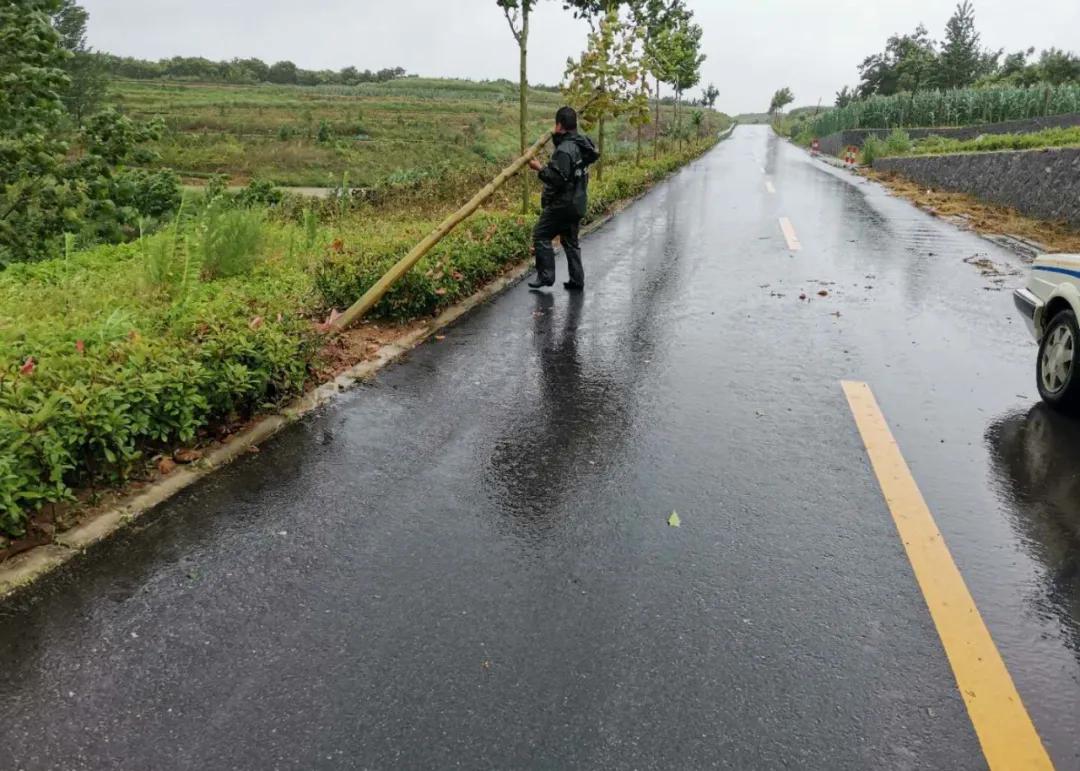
[564, 200]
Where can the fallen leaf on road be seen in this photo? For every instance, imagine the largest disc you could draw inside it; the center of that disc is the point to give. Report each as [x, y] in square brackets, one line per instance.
[674, 520]
[186, 455]
[166, 466]
[802, 296]
[440, 337]
[823, 293]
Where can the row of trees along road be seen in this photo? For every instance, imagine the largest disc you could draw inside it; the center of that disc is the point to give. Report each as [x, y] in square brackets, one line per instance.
[628, 41]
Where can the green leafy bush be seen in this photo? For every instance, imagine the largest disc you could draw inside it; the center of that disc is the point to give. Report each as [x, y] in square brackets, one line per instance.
[229, 240]
[91, 380]
[478, 251]
[259, 192]
[898, 142]
[1055, 137]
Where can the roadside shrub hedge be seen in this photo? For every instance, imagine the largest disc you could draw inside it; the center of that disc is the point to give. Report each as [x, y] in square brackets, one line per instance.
[112, 354]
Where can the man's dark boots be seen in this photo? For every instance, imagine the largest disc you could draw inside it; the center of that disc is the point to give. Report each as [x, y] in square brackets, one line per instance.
[573, 286]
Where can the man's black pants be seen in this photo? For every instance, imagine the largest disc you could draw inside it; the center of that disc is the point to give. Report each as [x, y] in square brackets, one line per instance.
[565, 224]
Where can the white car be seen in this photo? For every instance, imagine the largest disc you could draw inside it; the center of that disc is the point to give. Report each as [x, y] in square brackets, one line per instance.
[1050, 304]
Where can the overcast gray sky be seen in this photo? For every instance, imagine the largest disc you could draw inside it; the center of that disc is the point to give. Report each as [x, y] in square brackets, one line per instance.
[753, 46]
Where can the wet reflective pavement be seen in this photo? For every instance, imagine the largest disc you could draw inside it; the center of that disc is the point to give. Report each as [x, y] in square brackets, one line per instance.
[468, 562]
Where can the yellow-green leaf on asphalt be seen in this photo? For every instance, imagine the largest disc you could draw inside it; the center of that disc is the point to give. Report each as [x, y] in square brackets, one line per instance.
[674, 520]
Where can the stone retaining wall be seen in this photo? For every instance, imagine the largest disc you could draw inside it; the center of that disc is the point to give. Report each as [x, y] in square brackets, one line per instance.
[834, 144]
[1039, 183]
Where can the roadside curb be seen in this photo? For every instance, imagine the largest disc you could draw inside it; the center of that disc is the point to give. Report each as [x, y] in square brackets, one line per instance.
[1024, 248]
[22, 570]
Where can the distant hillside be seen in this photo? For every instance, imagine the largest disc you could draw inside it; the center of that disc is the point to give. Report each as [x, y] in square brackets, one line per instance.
[314, 136]
[763, 117]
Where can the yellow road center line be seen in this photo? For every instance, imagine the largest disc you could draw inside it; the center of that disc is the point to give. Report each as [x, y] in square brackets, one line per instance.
[789, 233]
[769, 186]
[1007, 735]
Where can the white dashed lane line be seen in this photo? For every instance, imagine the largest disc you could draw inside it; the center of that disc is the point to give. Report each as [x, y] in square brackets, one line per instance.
[789, 234]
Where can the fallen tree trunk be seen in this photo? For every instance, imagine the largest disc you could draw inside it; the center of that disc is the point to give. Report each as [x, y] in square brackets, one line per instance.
[405, 264]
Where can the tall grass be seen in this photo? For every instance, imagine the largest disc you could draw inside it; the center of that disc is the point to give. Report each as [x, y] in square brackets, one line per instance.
[958, 107]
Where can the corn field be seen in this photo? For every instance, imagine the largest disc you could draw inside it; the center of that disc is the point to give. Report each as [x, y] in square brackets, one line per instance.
[958, 107]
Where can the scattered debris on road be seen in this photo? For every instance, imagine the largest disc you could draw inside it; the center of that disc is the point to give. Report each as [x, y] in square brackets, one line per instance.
[674, 520]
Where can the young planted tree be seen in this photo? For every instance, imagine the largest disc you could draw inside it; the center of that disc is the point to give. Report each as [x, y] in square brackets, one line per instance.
[687, 64]
[517, 16]
[697, 120]
[653, 17]
[604, 79]
[781, 99]
[662, 57]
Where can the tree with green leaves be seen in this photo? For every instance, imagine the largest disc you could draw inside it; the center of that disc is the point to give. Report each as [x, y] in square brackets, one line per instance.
[282, 72]
[781, 99]
[962, 59]
[687, 64]
[845, 96]
[85, 69]
[653, 17]
[664, 53]
[1056, 67]
[48, 194]
[594, 10]
[603, 81]
[710, 95]
[35, 202]
[517, 16]
[908, 63]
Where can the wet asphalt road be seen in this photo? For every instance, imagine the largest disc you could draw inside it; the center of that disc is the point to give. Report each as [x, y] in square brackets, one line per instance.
[468, 563]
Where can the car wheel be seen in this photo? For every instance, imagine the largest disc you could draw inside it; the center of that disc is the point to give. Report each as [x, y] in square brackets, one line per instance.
[1055, 370]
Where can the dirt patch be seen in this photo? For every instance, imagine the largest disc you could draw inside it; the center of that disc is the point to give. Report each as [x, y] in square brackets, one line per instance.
[361, 343]
[985, 218]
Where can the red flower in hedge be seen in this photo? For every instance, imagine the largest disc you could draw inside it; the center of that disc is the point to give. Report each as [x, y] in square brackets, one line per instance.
[80, 346]
[28, 366]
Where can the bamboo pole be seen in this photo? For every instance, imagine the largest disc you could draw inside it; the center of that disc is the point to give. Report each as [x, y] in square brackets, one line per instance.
[405, 264]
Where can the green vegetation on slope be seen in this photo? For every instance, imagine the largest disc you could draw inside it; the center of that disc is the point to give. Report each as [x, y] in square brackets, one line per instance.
[898, 143]
[311, 137]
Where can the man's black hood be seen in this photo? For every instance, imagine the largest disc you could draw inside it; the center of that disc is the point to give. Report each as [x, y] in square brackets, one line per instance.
[588, 150]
